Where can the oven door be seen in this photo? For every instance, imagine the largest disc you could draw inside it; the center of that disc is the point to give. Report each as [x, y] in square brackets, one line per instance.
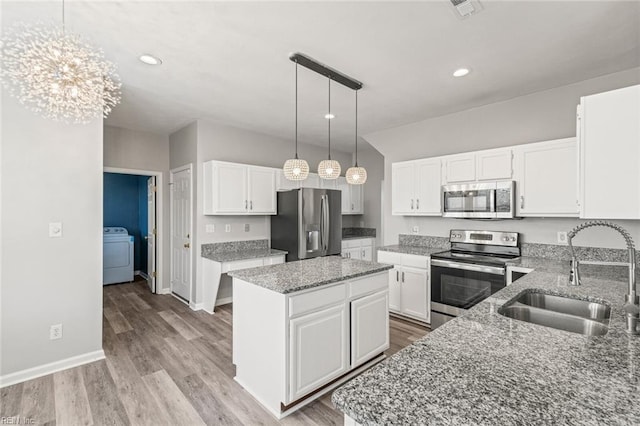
[477, 200]
[457, 286]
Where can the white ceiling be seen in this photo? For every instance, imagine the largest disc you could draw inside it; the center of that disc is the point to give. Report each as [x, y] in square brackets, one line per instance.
[228, 61]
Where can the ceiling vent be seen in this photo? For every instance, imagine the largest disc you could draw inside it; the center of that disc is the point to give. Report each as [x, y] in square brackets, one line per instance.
[466, 8]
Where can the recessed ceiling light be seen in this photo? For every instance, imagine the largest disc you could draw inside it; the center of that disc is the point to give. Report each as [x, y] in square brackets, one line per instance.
[150, 59]
[461, 72]
[329, 116]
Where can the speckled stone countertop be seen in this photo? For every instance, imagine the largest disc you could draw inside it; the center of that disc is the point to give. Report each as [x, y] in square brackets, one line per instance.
[417, 250]
[230, 251]
[486, 369]
[303, 274]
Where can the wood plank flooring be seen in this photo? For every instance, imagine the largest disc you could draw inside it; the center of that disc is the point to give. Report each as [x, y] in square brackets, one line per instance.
[165, 365]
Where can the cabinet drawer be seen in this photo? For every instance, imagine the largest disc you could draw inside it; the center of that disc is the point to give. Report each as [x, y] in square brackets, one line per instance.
[242, 264]
[368, 284]
[308, 302]
[389, 257]
[415, 261]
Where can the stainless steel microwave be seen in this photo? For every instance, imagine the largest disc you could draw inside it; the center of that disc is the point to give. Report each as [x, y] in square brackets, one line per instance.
[482, 200]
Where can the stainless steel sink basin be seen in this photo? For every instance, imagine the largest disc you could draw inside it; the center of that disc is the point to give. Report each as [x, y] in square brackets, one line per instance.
[559, 312]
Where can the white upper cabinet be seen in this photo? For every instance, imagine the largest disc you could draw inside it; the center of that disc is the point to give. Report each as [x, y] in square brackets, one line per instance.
[608, 131]
[460, 168]
[231, 188]
[351, 197]
[416, 187]
[312, 181]
[284, 184]
[547, 178]
[492, 164]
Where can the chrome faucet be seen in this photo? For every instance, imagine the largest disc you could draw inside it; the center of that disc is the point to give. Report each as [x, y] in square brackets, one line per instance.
[632, 305]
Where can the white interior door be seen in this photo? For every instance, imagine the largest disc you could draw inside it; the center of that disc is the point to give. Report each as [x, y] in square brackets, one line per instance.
[181, 213]
[151, 233]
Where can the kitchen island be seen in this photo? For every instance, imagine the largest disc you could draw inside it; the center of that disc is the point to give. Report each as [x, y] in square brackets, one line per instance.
[484, 368]
[302, 328]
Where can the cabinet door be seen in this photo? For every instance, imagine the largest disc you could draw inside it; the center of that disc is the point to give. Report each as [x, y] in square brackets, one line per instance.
[394, 289]
[262, 190]
[230, 188]
[369, 327]
[353, 253]
[328, 183]
[414, 293]
[355, 194]
[367, 253]
[319, 349]
[312, 181]
[547, 178]
[494, 164]
[345, 192]
[460, 168]
[609, 153]
[284, 184]
[402, 189]
[428, 194]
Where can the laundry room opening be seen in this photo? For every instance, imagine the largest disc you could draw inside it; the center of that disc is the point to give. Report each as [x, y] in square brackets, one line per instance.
[129, 228]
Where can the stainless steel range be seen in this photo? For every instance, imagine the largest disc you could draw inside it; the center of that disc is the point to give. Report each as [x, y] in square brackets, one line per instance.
[474, 269]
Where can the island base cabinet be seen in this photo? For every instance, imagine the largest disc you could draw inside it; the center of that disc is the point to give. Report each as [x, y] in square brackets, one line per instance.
[319, 349]
[369, 327]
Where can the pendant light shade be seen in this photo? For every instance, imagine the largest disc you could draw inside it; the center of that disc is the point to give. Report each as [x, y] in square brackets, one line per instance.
[329, 169]
[296, 169]
[356, 175]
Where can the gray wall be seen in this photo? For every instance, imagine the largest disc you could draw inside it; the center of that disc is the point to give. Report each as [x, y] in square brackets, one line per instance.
[131, 149]
[373, 161]
[51, 172]
[537, 117]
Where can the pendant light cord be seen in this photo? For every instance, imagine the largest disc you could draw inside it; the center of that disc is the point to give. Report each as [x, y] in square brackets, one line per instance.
[63, 25]
[329, 118]
[356, 128]
[296, 110]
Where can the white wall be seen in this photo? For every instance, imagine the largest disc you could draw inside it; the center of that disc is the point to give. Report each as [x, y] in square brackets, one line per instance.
[540, 116]
[51, 172]
[135, 150]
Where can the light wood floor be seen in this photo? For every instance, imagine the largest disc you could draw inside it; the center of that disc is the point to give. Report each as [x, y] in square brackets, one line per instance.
[165, 365]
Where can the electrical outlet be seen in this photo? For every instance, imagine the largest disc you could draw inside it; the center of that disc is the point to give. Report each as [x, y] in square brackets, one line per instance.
[247, 227]
[210, 228]
[55, 332]
[55, 229]
[416, 229]
[562, 237]
[227, 228]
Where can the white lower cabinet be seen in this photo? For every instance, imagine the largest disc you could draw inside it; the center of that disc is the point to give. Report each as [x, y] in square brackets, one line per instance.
[319, 349]
[287, 346]
[358, 248]
[369, 327]
[409, 285]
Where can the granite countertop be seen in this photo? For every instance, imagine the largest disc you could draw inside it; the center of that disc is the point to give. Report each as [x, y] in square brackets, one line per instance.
[417, 250]
[231, 256]
[303, 274]
[486, 369]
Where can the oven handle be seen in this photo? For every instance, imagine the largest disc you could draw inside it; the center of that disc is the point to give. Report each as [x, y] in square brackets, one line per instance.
[468, 267]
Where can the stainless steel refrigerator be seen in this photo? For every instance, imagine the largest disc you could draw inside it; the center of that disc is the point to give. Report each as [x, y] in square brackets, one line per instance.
[308, 223]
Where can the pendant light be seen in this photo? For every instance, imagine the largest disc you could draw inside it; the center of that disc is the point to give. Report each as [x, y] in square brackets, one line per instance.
[329, 169]
[356, 175]
[296, 169]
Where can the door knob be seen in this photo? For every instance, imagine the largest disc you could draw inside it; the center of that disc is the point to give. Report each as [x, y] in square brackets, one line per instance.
[187, 245]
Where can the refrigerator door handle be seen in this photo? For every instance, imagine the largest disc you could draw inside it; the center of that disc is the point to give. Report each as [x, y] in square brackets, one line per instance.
[325, 223]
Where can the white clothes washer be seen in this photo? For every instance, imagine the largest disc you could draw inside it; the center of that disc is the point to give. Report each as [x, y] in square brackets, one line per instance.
[117, 255]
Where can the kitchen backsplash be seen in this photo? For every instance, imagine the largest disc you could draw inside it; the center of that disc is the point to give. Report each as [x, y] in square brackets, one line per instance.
[423, 241]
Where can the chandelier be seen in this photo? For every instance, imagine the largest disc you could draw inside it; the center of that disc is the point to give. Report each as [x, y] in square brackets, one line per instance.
[57, 74]
[356, 175]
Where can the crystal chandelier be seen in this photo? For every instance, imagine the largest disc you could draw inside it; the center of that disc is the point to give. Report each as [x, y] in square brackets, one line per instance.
[329, 169]
[356, 175]
[296, 169]
[57, 74]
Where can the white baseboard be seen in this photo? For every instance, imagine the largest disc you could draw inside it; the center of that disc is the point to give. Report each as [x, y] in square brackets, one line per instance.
[196, 306]
[163, 291]
[224, 300]
[43, 370]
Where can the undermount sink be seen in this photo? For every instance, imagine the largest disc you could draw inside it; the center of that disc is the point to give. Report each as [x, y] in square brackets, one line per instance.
[559, 312]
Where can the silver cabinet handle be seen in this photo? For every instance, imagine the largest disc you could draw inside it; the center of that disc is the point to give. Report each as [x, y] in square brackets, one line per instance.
[362, 254]
[402, 276]
[245, 204]
[522, 201]
[251, 205]
[397, 275]
[351, 206]
[412, 204]
[418, 204]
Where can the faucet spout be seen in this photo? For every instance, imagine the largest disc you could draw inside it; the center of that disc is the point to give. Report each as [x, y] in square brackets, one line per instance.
[632, 305]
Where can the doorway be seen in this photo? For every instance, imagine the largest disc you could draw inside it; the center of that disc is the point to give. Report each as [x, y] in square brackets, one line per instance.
[132, 201]
[181, 202]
